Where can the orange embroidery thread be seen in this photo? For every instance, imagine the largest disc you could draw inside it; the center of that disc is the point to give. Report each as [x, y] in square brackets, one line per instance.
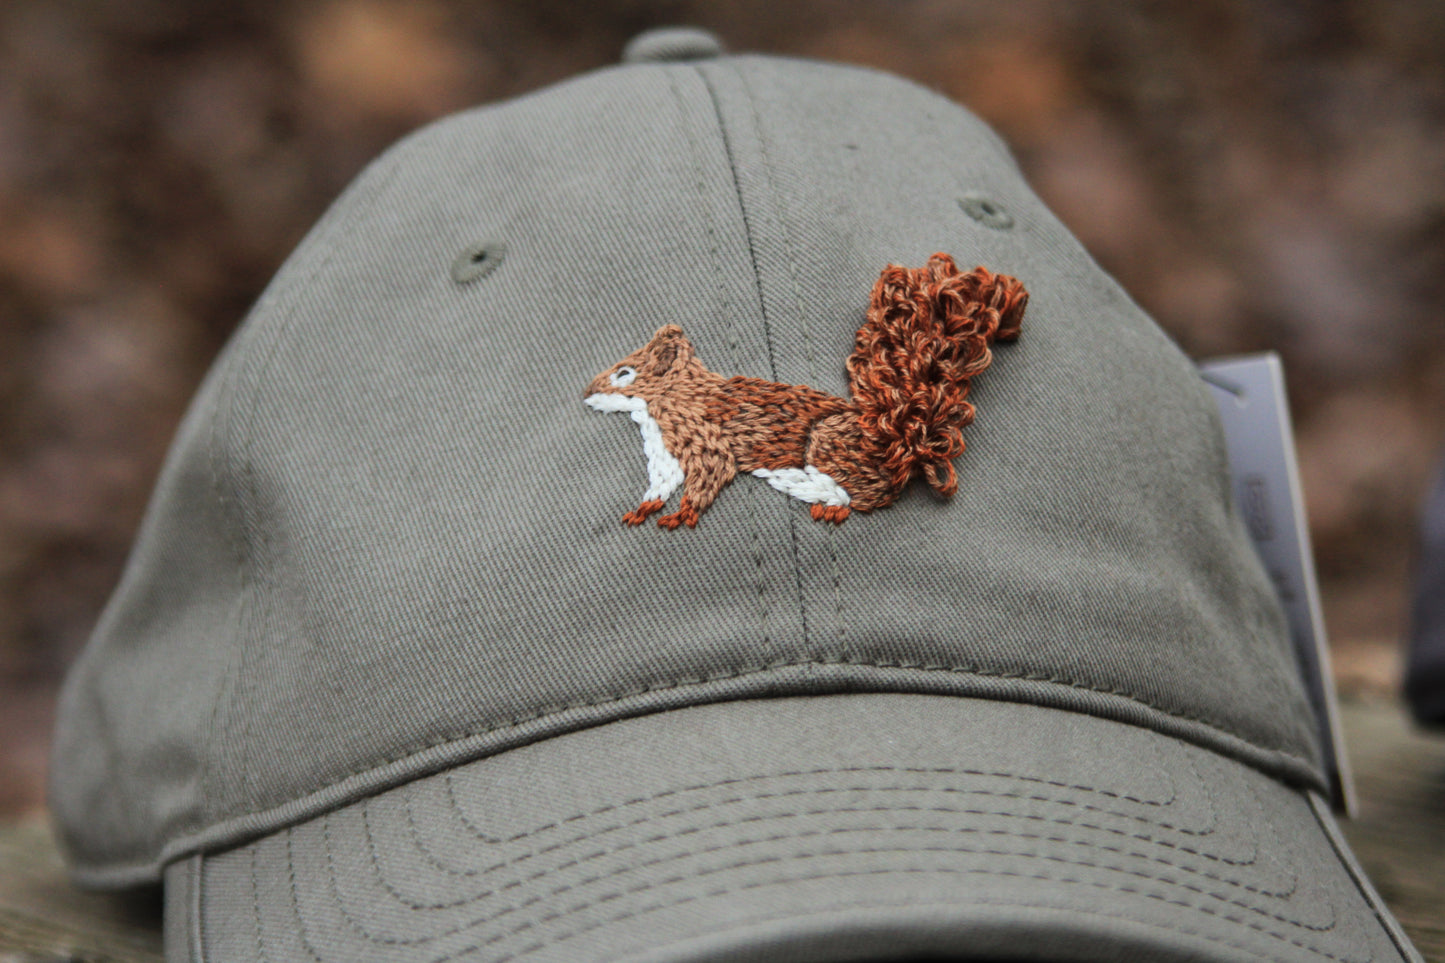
[927, 335]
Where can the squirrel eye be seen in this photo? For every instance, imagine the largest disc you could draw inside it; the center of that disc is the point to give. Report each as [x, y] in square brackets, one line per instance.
[623, 377]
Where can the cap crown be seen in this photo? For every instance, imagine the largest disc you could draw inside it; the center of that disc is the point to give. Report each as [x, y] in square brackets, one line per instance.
[387, 538]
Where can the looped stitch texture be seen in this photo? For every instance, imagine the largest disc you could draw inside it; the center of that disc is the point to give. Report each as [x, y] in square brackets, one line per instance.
[927, 335]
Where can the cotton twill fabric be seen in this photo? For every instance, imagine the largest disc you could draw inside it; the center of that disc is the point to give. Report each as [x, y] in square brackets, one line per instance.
[824, 828]
[337, 586]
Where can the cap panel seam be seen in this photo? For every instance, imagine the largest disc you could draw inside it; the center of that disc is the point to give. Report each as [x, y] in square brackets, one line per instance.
[731, 156]
[728, 320]
[789, 244]
[792, 518]
[328, 244]
[232, 510]
[790, 257]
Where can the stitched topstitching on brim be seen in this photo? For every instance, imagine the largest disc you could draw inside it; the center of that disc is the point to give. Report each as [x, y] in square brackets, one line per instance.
[1265, 923]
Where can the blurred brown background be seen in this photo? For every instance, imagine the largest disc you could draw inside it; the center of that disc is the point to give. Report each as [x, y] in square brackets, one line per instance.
[1258, 175]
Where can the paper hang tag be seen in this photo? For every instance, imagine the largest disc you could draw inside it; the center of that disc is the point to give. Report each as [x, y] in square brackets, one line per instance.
[1265, 478]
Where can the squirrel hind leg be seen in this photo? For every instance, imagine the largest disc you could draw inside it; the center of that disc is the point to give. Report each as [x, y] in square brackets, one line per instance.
[644, 511]
[686, 514]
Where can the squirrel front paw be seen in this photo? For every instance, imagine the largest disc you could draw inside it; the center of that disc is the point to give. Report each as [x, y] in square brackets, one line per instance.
[686, 514]
[837, 514]
[646, 509]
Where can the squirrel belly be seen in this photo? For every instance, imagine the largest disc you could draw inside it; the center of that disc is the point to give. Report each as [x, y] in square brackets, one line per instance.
[927, 334]
[664, 472]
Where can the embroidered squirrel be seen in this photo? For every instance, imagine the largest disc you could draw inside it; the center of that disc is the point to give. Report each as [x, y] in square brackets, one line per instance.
[927, 333]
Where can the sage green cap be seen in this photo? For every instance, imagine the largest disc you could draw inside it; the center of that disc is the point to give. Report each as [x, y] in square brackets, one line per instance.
[387, 677]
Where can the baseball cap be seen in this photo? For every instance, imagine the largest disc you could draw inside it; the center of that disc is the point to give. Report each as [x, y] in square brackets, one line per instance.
[920, 659]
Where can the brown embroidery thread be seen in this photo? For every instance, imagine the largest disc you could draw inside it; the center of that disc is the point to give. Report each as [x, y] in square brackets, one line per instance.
[927, 334]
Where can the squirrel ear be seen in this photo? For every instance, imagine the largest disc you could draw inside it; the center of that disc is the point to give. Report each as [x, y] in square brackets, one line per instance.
[670, 349]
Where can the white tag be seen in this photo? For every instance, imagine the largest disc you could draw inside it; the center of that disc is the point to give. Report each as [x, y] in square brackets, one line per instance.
[1260, 443]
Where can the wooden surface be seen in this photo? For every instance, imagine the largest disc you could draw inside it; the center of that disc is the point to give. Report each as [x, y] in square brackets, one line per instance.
[1399, 832]
[1399, 836]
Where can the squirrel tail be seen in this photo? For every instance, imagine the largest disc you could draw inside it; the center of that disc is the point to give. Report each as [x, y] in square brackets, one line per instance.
[927, 334]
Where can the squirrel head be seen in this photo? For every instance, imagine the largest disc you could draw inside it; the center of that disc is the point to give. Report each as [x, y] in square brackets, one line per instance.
[648, 371]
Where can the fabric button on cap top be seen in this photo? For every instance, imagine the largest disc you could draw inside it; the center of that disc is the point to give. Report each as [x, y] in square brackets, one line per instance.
[671, 43]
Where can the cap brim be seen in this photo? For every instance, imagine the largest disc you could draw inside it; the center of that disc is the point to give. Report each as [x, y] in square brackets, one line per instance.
[852, 827]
